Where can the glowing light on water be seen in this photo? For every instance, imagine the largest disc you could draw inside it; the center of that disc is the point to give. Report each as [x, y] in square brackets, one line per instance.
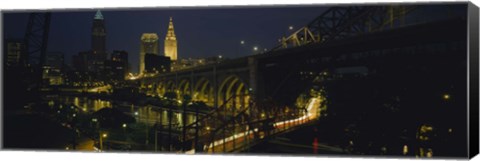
[405, 150]
[76, 101]
[429, 153]
[51, 103]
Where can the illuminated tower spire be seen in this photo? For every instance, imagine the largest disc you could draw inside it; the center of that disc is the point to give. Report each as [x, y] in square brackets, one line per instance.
[98, 15]
[171, 42]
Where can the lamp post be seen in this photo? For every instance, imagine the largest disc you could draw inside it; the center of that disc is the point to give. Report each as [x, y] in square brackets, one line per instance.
[170, 113]
[146, 125]
[124, 126]
[156, 133]
[156, 139]
[102, 135]
[196, 129]
[184, 120]
[242, 43]
[255, 49]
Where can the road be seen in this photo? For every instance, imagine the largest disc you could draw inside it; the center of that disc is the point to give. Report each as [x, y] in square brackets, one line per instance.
[245, 138]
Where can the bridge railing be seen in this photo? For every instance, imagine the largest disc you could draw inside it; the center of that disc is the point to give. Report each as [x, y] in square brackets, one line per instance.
[216, 118]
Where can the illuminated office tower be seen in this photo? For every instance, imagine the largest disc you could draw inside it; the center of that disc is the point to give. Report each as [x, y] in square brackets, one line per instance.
[149, 44]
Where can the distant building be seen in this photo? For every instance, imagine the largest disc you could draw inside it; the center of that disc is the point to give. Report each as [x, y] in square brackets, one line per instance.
[171, 42]
[156, 64]
[149, 44]
[115, 70]
[119, 64]
[53, 68]
[13, 50]
[98, 41]
[120, 55]
[83, 61]
[55, 60]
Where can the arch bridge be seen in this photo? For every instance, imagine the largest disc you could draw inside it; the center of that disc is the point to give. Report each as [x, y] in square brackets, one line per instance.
[335, 44]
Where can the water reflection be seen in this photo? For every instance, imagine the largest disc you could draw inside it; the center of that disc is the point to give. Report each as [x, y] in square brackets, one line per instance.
[143, 114]
[84, 103]
[156, 115]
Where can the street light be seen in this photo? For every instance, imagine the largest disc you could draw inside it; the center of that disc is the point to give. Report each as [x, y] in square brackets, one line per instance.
[290, 27]
[446, 96]
[124, 127]
[255, 48]
[104, 135]
[239, 47]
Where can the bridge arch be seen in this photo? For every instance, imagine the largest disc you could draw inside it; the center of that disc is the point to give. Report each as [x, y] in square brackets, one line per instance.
[203, 91]
[160, 90]
[184, 88]
[170, 86]
[233, 92]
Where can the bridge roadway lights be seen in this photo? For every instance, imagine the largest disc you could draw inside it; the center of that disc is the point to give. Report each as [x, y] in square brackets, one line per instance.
[313, 105]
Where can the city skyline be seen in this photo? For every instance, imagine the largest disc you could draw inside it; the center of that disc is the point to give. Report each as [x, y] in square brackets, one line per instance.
[351, 80]
[193, 29]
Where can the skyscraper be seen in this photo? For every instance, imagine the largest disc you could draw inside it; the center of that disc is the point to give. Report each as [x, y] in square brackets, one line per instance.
[13, 51]
[149, 44]
[99, 38]
[171, 42]
[121, 57]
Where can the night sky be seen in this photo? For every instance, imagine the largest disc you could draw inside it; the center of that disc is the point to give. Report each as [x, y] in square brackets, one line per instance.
[201, 32]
